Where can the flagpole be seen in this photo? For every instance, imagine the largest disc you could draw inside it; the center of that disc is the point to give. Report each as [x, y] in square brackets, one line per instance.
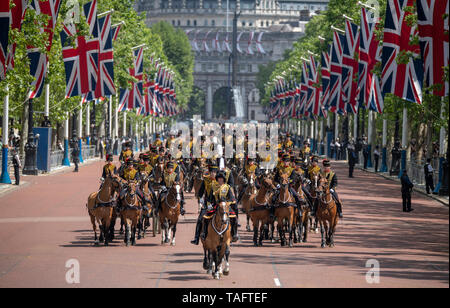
[384, 167]
[47, 105]
[88, 128]
[116, 125]
[124, 127]
[370, 138]
[80, 130]
[404, 141]
[5, 174]
[66, 161]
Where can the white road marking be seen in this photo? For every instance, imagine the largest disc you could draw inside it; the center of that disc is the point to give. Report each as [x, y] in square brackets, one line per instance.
[44, 219]
[277, 282]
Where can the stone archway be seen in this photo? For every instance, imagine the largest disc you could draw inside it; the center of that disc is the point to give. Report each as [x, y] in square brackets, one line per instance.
[220, 103]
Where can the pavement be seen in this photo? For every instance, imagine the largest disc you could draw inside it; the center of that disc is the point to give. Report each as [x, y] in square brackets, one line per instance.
[44, 226]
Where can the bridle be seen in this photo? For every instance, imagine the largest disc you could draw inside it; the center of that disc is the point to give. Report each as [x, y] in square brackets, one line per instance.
[225, 217]
[178, 195]
[268, 191]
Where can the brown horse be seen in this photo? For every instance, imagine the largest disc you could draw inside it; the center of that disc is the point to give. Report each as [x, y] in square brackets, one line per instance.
[131, 212]
[100, 207]
[326, 213]
[169, 213]
[199, 174]
[216, 246]
[284, 211]
[303, 223]
[259, 209]
[250, 192]
[147, 207]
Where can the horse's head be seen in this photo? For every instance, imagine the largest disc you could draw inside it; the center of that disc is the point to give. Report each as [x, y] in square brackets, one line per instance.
[176, 190]
[131, 188]
[285, 181]
[322, 186]
[267, 183]
[223, 210]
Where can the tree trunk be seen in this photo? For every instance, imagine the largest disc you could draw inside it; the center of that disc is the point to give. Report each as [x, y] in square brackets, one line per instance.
[24, 132]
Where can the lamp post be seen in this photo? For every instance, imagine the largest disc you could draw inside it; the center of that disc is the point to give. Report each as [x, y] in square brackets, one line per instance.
[30, 167]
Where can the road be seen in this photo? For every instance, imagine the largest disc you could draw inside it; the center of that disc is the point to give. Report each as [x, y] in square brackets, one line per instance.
[45, 224]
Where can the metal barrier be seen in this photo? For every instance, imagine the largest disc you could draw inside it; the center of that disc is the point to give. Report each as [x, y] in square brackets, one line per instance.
[416, 171]
[56, 158]
[10, 164]
[88, 151]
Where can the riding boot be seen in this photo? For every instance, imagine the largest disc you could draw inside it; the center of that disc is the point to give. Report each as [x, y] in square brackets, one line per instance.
[241, 194]
[234, 230]
[205, 228]
[314, 209]
[339, 209]
[198, 229]
[182, 211]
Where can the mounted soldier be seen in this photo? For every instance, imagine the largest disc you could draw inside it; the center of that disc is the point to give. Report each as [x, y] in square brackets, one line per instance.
[250, 168]
[169, 177]
[126, 152]
[332, 182]
[206, 197]
[109, 167]
[222, 193]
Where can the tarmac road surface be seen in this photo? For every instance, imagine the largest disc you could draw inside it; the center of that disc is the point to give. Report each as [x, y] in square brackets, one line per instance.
[45, 224]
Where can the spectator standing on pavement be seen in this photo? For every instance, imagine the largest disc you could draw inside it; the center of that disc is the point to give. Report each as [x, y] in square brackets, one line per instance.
[75, 154]
[337, 148]
[429, 176]
[332, 148]
[351, 158]
[376, 157]
[365, 149]
[17, 165]
[407, 187]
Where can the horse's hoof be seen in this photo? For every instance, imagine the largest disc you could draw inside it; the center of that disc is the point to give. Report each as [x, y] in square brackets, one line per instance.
[248, 229]
[216, 276]
[96, 243]
[225, 273]
[205, 266]
[323, 245]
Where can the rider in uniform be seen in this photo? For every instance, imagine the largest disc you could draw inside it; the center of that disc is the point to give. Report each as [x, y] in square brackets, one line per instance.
[288, 144]
[158, 143]
[251, 167]
[109, 167]
[126, 152]
[206, 197]
[313, 168]
[170, 176]
[305, 151]
[222, 193]
[332, 182]
[285, 168]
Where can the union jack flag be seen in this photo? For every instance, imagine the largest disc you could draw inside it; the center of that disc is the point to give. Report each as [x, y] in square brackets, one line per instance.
[4, 32]
[81, 62]
[369, 55]
[39, 60]
[433, 33]
[105, 82]
[17, 16]
[326, 76]
[132, 98]
[403, 80]
[350, 66]
[303, 111]
[336, 103]
[314, 89]
[115, 31]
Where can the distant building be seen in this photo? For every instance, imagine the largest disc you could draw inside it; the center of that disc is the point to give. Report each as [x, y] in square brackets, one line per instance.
[209, 30]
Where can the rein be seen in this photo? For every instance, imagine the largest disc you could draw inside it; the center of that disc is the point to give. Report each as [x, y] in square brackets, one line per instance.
[220, 233]
[171, 207]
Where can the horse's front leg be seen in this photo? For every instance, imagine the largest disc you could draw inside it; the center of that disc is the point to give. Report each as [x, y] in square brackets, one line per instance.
[248, 223]
[215, 256]
[94, 228]
[174, 231]
[226, 271]
[261, 234]
[291, 231]
[205, 259]
[322, 231]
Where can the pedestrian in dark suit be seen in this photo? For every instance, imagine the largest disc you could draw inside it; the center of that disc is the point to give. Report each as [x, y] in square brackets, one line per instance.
[376, 157]
[351, 158]
[75, 153]
[407, 187]
[428, 169]
[17, 165]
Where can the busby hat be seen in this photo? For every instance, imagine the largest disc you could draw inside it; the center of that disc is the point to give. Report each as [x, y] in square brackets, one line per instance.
[213, 168]
[326, 163]
[220, 175]
[109, 157]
